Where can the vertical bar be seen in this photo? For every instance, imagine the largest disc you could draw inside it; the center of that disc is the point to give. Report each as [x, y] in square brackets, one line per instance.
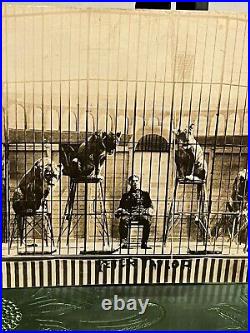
[6, 142]
[235, 120]
[135, 97]
[104, 215]
[16, 132]
[52, 139]
[33, 94]
[225, 132]
[96, 199]
[216, 131]
[116, 116]
[126, 126]
[42, 110]
[144, 105]
[152, 118]
[179, 126]
[198, 117]
[161, 135]
[70, 118]
[172, 118]
[86, 138]
[208, 113]
[135, 94]
[78, 117]
[22, 20]
[61, 218]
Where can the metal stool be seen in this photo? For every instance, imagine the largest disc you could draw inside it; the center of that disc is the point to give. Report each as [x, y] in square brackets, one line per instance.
[66, 225]
[134, 239]
[171, 215]
[32, 222]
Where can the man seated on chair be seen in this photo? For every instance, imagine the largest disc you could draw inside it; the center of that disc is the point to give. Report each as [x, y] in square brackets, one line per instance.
[135, 205]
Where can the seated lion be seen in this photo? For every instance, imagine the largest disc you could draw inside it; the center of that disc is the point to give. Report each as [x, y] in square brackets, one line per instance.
[33, 189]
[87, 158]
[35, 186]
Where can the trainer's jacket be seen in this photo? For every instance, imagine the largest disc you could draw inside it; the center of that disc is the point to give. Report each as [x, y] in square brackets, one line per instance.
[134, 200]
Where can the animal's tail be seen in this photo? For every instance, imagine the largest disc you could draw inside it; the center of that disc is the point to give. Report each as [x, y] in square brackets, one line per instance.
[67, 154]
[202, 198]
[199, 188]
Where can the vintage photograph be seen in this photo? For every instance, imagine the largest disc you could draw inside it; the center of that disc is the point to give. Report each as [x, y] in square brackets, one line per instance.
[124, 151]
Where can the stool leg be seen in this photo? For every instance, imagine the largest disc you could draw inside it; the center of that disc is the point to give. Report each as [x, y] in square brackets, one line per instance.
[68, 212]
[246, 245]
[46, 230]
[234, 234]
[104, 217]
[14, 231]
[137, 241]
[202, 214]
[21, 225]
[61, 228]
[129, 234]
[51, 230]
[49, 223]
[71, 206]
[170, 219]
[23, 238]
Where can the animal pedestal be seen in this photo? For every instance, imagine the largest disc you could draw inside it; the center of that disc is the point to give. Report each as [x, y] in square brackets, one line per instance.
[90, 209]
[174, 211]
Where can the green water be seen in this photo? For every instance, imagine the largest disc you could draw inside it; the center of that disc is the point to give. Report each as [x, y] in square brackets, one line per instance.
[183, 307]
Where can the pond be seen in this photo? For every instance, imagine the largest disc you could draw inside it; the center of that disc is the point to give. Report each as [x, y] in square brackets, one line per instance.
[170, 307]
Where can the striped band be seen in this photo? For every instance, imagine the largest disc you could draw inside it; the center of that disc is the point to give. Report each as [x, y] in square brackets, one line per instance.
[122, 271]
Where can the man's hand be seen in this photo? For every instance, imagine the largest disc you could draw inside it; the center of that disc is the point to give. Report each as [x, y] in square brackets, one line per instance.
[120, 211]
[150, 211]
[143, 211]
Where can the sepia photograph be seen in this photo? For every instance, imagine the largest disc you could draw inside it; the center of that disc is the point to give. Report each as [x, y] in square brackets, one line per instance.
[124, 166]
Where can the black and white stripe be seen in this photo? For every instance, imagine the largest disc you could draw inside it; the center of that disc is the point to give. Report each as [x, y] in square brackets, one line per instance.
[65, 271]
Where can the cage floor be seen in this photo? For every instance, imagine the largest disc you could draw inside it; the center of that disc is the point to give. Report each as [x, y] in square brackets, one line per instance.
[171, 248]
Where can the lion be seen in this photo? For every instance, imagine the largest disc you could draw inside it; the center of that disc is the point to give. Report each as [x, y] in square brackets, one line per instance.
[87, 159]
[235, 225]
[190, 160]
[33, 189]
[192, 167]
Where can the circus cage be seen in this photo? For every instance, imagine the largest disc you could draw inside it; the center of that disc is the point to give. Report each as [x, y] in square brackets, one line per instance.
[70, 74]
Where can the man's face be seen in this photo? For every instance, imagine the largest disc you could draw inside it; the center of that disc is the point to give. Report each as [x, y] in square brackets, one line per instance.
[134, 183]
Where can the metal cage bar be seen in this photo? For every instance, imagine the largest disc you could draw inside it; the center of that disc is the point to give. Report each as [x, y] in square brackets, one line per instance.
[79, 86]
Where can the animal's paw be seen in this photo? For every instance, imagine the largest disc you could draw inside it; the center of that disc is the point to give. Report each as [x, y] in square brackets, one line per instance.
[106, 248]
[193, 178]
[32, 245]
[99, 177]
[67, 216]
[212, 240]
[189, 177]
[197, 220]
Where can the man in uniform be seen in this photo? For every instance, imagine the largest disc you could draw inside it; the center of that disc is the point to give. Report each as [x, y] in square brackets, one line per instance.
[135, 205]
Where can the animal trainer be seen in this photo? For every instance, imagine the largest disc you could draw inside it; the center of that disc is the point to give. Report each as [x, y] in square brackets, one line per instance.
[135, 205]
